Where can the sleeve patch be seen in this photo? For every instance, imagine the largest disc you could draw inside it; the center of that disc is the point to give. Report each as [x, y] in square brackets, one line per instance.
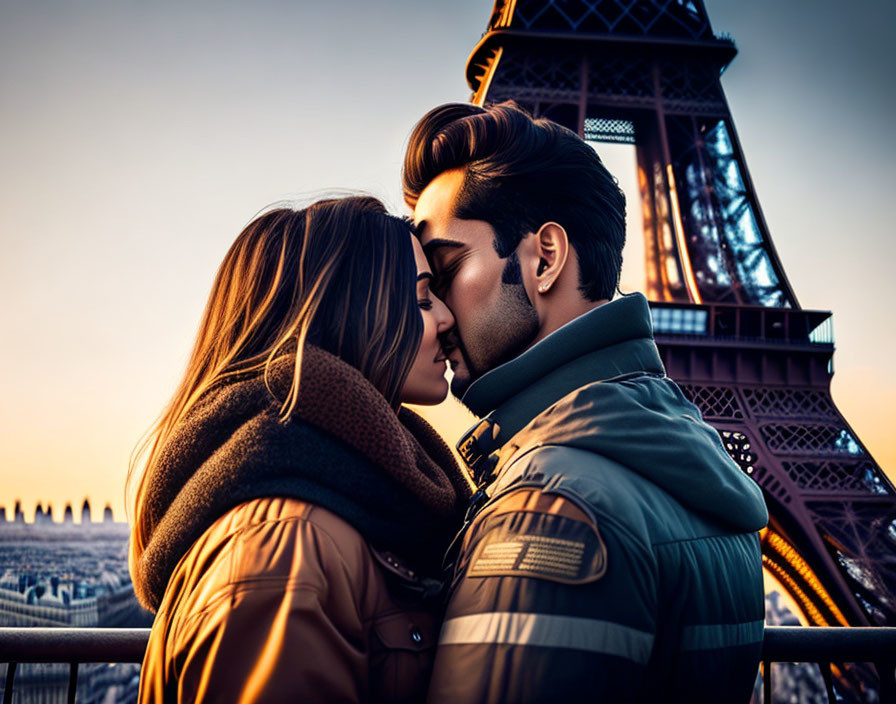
[539, 545]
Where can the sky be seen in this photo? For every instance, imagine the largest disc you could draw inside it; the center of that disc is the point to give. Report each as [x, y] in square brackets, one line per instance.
[137, 139]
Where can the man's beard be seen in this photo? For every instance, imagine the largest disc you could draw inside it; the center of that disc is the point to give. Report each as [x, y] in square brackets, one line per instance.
[499, 334]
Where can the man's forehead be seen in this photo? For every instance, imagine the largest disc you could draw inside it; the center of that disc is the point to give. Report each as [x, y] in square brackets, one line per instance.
[435, 206]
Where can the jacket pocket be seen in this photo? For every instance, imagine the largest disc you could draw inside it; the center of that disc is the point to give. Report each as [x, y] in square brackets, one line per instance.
[402, 650]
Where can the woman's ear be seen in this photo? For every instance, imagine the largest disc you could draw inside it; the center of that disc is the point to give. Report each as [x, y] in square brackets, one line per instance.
[552, 248]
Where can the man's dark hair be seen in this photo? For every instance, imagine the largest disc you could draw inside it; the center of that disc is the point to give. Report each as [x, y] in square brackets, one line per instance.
[520, 173]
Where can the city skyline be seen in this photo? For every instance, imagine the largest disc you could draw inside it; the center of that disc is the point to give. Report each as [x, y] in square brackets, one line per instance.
[139, 140]
[70, 513]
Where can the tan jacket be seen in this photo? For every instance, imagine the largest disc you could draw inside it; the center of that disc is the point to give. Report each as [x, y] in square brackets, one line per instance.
[281, 600]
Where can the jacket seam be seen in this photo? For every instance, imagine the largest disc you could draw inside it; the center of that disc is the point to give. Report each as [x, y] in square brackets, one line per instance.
[700, 537]
[306, 518]
[231, 590]
[237, 533]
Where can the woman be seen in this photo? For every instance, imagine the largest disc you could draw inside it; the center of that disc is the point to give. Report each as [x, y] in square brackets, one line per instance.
[290, 522]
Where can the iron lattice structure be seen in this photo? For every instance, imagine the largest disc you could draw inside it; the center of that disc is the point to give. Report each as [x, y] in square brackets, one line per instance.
[727, 322]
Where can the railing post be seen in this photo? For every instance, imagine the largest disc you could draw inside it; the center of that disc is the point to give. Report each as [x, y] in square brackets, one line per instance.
[828, 678]
[10, 678]
[72, 683]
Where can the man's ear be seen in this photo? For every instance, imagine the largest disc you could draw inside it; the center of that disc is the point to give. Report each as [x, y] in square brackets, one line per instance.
[552, 249]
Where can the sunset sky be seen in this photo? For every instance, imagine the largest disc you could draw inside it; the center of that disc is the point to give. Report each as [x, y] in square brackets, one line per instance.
[137, 140]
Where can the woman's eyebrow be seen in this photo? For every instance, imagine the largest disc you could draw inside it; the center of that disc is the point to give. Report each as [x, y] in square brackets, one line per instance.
[424, 275]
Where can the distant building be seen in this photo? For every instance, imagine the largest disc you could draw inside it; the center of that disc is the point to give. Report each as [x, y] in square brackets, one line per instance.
[49, 513]
[2, 514]
[107, 514]
[85, 512]
[98, 683]
[26, 600]
[39, 513]
[19, 516]
[64, 574]
[68, 517]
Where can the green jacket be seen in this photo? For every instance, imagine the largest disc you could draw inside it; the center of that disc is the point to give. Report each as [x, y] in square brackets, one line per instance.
[616, 557]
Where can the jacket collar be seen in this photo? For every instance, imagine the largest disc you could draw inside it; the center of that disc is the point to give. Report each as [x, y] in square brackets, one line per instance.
[613, 340]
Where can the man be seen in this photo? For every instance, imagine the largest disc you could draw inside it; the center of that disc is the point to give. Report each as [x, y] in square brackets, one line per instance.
[613, 553]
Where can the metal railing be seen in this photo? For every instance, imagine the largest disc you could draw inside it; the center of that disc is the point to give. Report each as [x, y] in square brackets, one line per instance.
[68, 645]
[783, 644]
[825, 646]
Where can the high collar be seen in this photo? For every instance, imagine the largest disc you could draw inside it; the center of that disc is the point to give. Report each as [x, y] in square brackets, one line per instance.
[612, 340]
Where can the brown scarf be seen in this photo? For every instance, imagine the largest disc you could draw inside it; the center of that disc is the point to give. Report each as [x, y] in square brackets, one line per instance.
[344, 448]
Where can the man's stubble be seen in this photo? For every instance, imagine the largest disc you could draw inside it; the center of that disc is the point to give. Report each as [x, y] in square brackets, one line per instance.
[498, 334]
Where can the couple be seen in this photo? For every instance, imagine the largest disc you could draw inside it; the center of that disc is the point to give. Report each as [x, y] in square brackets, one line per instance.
[302, 536]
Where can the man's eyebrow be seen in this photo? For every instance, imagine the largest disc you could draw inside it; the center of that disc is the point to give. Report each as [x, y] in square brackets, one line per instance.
[437, 243]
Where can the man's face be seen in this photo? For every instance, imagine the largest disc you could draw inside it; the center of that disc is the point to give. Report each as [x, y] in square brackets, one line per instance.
[495, 320]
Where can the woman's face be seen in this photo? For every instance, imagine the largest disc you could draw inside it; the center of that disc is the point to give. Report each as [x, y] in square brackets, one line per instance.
[426, 384]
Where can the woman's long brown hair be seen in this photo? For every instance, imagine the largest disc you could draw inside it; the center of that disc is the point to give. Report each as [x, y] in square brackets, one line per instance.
[339, 274]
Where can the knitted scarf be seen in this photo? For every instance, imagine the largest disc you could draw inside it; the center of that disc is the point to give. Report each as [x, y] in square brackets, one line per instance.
[344, 448]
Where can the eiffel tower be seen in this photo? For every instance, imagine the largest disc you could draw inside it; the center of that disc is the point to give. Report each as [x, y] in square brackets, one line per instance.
[727, 322]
